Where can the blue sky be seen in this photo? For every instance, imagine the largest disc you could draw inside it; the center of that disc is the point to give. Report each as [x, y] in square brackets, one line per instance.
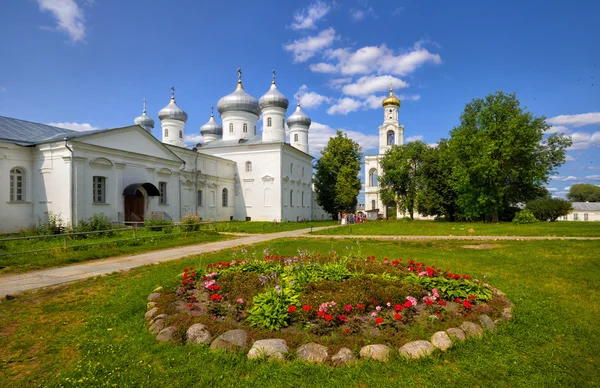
[88, 64]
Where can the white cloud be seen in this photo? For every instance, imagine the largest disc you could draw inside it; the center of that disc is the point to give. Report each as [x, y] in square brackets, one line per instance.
[321, 133]
[578, 120]
[79, 127]
[373, 102]
[414, 138]
[3, 89]
[69, 17]
[593, 177]
[311, 99]
[323, 68]
[337, 83]
[584, 140]
[370, 84]
[567, 188]
[343, 106]
[564, 178]
[305, 48]
[412, 97]
[308, 17]
[551, 188]
[398, 11]
[357, 15]
[192, 140]
[558, 129]
[569, 158]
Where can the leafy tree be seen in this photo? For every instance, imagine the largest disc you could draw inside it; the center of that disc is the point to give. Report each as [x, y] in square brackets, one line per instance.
[336, 178]
[584, 192]
[401, 177]
[500, 156]
[524, 216]
[549, 209]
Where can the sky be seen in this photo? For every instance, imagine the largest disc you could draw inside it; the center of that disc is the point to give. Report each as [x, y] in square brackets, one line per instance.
[86, 64]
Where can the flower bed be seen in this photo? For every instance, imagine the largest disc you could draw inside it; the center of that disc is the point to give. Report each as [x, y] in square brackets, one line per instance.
[336, 301]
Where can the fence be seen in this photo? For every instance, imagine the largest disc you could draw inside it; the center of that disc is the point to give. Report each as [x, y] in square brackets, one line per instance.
[66, 241]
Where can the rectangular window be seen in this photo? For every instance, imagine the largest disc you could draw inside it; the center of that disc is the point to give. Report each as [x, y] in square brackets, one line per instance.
[213, 198]
[199, 199]
[162, 190]
[575, 216]
[99, 189]
[585, 216]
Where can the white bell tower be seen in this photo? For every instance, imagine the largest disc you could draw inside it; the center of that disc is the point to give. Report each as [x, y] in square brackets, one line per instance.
[390, 132]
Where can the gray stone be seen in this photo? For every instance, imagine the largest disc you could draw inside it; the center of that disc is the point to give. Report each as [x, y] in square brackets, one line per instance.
[198, 334]
[166, 334]
[159, 316]
[471, 329]
[441, 340]
[152, 297]
[456, 333]
[157, 289]
[150, 305]
[312, 352]
[150, 313]
[343, 357]
[231, 340]
[486, 322]
[377, 352]
[156, 326]
[273, 348]
[417, 349]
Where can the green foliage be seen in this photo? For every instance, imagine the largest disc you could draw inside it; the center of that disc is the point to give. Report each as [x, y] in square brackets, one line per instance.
[160, 224]
[335, 271]
[51, 224]
[500, 156]
[524, 217]
[190, 223]
[336, 178]
[451, 288]
[99, 222]
[549, 209]
[584, 192]
[270, 308]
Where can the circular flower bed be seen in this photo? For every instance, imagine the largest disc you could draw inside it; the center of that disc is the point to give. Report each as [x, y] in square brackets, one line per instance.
[337, 302]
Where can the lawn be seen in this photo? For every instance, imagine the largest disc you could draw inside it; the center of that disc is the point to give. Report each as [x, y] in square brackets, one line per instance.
[268, 227]
[93, 333]
[434, 228]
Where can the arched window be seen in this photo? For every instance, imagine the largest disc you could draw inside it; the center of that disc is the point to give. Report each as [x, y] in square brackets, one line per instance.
[255, 130]
[166, 132]
[269, 122]
[181, 134]
[291, 197]
[373, 177]
[17, 184]
[295, 137]
[391, 138]
[224, 197]
[230, 127]
[373, 205]
[248, 166]
[245, 128]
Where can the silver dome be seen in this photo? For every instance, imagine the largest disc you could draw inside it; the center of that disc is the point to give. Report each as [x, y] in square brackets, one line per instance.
[172, 111]
[239, 100]
[144, 120]
[273, 98]
[211, 127]
[299, 118]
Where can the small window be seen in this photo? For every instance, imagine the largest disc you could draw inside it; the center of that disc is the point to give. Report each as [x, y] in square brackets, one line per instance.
[17, 184]
[295, 137]
[162, 191]
[181, 134]
[99, 189]
[373, 204]
[303, 172]
[291, 168]
[255, 130]
[224, 197]
[391, 138]
[575, 217]
[303, 199]
[199, 199]
[230, 127]
[269, 122]
[166, 132]
[248, 166]
[373, 177]
[245, 128]
[585, 216]
[283, 123]
[291, 197]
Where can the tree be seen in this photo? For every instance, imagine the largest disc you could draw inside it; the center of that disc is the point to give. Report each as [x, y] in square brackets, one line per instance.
[336, 178]
[584, 192]
[401, 178]
[501, 157]
[549, 209]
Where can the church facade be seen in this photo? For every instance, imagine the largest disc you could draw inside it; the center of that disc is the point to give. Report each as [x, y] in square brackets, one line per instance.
[129, 175]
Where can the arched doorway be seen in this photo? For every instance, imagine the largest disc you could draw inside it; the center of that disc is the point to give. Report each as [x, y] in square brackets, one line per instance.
[391, 210]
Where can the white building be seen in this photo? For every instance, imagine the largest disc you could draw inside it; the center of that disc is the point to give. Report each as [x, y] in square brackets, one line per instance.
[583, 211]
[129, 175]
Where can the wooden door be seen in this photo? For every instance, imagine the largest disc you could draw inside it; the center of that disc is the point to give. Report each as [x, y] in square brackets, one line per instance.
[134, 207]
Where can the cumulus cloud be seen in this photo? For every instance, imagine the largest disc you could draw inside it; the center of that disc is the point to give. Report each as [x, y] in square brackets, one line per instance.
[414, 138]
[311, 99]
[357, 15]
[321, 133]
[69, 17]
[567, 188]
[593, 177]
[584, 140]
[305, 48]
[564, 178]
[79, 127]
[371, 84]
[551, 188]
[558, 129]
[569, 158]
[323, 67]
[193, 139]
[578, 120]
[337, 83]
[343, 106]
[308, 17]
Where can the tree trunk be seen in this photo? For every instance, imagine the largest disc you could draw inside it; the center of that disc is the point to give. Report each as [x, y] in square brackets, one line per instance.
[495, 216]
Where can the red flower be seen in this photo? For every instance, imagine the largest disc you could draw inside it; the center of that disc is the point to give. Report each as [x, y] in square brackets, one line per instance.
[442, 302]
[472, 297]
[467, 304]
[407, 304]
[328, 317]
[321, 314]
[189, 305]
[379, 321]
[342, 318]
[438, 314]
[456, 277]
[346, 331]
[360, 306]
[214, 287]
[398, 308]
[397, 316]
[457, 300]
[216, 297]
[291, 309]
[348, 308]
[428, 302]
[191, 268]
[306, 307]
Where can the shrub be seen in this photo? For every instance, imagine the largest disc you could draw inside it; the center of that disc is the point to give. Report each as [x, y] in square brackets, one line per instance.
[549, 209]
[51, 224]
[99, 222]
[190, 223]
[159, 224]
[524, 217]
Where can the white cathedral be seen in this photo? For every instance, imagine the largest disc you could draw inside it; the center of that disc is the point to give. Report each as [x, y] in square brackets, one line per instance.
[129, 175]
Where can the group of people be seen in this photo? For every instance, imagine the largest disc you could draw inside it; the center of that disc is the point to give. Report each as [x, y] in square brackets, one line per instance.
[351, 218]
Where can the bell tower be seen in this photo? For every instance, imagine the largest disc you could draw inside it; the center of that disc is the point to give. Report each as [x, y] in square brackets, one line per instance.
[390, 132]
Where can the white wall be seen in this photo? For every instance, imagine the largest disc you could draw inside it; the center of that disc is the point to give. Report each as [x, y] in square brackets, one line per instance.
[15, 215]
[299, 181]
[238, 119]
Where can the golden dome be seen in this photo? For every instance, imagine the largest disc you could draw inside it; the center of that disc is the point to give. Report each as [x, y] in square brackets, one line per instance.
[391, 100]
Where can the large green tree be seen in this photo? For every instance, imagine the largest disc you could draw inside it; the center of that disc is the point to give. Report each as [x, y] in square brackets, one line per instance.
[337, 183]
[401, 177]
[584, 192]
[501, 156]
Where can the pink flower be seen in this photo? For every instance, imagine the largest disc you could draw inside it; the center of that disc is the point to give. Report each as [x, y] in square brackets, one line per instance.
[378, 308]
[373, 314]
[240, 300]
[388, 304]
[412, 300]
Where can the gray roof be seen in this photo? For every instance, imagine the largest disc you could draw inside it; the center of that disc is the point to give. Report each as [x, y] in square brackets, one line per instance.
[26, 133]
[232, 143]
[586, 206]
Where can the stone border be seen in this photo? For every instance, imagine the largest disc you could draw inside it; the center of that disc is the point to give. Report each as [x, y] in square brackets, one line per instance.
[276, 348]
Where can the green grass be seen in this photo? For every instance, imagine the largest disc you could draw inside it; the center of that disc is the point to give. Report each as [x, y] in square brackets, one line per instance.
[93, 333]
[434, 228]
[268, 227]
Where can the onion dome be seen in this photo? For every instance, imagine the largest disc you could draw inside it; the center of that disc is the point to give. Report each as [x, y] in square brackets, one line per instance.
[211, 127]
[273, 97]
[391, 100]
[144, 120]
[172, 111]
[299, 118]
[239, 100]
